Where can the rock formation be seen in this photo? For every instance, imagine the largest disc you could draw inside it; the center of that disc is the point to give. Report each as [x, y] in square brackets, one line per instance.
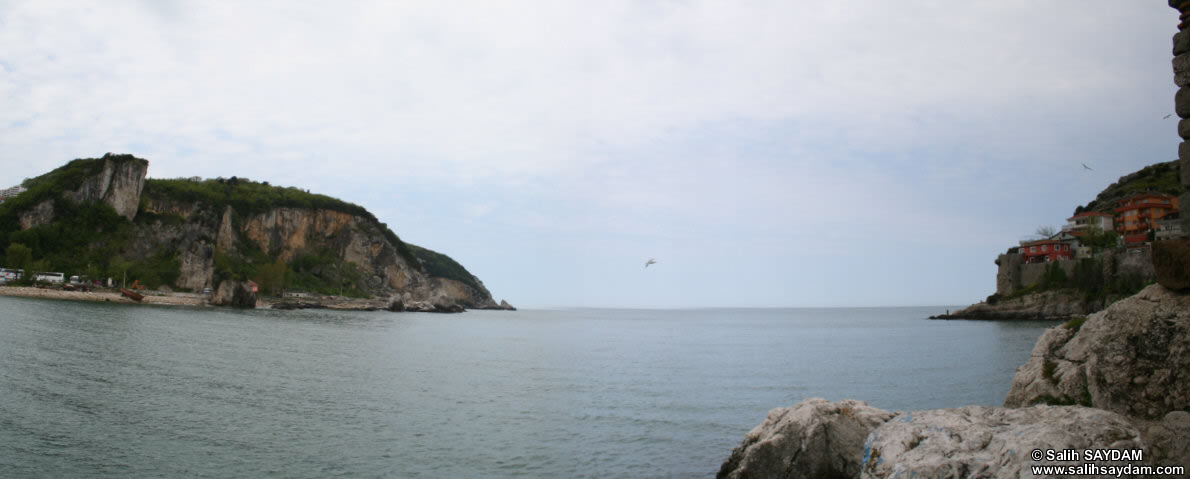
[849, 439]
[236, 294]
[118, 184]
[1171, 259]
[1055, 305]
[813, 439]
[1132, 358]
[981, 441]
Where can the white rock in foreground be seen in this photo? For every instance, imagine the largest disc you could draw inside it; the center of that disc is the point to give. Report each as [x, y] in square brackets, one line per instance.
[849, 439]
[989, 442]
[813, 439]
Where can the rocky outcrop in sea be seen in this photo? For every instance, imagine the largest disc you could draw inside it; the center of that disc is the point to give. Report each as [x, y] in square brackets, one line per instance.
[1047, 305]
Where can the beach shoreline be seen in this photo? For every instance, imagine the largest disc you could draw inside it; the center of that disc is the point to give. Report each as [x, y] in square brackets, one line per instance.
[98, 296]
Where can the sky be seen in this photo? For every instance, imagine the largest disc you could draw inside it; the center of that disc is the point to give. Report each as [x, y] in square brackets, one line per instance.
[766, 153]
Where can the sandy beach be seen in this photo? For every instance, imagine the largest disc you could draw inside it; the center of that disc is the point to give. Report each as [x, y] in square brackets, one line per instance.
[99, 296]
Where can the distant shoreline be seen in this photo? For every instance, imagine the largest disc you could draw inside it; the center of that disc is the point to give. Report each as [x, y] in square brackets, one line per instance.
[96, 296]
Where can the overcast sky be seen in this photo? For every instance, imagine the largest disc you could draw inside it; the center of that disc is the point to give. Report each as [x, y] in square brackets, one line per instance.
[783, 153]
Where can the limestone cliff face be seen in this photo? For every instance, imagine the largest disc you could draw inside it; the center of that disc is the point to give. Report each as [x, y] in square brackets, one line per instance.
[291, 231]
[38, 215]
[119, 185]
[288, 233]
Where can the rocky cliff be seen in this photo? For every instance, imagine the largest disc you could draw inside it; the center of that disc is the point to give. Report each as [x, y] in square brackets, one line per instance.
[1081, 287]
[114, 180]
[1054, 305]
[195, 234]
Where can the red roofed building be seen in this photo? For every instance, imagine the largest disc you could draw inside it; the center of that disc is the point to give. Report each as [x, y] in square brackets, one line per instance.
[1136, 216]
[1045, 250]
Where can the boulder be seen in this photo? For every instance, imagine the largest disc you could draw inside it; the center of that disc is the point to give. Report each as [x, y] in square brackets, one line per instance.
[1181, 43]
[1171, 260]
[1132, 358]
[505, 306]
[424, 307]
[987, 442]
[1181, 70]
[1168, 440]
[237, 294]
[1181, 99]
[813, 439]
[448, 308]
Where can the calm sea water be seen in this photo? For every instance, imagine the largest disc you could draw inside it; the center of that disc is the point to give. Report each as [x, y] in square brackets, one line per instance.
[99, 390]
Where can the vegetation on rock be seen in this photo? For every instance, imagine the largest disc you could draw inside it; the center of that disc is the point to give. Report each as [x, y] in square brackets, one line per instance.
[440, 265]
[1155, 178]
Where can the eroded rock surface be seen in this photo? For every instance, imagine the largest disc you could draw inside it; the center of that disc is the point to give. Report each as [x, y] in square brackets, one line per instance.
[813, 439]
[989, 442]
[236, 294]
[1132, 358]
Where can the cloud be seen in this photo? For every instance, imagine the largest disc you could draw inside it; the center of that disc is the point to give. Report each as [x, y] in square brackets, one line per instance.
[807, 123]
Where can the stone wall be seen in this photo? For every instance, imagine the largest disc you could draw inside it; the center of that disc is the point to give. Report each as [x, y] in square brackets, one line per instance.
[1031, 273]
[1181, 78]
[1008, 276]
[1172, 257]
[1013, 274]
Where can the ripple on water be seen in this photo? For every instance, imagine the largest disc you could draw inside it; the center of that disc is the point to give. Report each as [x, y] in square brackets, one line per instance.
[103, 390]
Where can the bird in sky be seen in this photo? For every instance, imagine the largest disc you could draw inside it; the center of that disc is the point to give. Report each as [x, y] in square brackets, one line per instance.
[649, 262]
[1087, 167]
[1166, 117]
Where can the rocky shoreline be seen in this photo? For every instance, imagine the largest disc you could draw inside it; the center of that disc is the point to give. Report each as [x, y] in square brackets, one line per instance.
[1117, 380]
[1047, 305]
[249, 301]
[102, 296]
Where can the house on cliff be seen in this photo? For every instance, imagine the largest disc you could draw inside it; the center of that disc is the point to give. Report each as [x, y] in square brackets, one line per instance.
[1169, 227]
[1088, 220]
[1049, 249]
[1136, 216]
[11, 192]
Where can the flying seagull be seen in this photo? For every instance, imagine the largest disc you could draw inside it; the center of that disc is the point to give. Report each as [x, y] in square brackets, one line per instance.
[649, 262]
[1166, 117]
[1087, 167]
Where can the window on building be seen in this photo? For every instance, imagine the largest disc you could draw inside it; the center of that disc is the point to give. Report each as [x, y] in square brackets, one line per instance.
[1043, 248]
[1032, 249]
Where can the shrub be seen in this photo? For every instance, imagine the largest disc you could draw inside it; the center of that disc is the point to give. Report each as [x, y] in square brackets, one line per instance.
[440, 265]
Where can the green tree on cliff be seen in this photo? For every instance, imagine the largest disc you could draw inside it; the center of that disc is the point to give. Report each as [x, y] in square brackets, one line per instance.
[18, 256]
[1099, 239]
[270, 277]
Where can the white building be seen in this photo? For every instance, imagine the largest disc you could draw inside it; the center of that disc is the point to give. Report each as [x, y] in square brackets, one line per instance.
[1089, 219]
[11, 192]
[1169, 226]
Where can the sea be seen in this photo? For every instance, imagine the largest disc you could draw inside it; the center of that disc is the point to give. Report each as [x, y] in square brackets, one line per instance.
[107, 390]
